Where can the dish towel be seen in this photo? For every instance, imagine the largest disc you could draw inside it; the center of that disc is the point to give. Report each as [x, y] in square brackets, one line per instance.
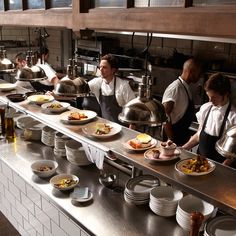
[94, 155]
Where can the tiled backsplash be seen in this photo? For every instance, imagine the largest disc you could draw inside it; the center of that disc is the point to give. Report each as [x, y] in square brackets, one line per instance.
[29, 211]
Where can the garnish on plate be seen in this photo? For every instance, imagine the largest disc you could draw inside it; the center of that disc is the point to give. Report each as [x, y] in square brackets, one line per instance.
[102, 128]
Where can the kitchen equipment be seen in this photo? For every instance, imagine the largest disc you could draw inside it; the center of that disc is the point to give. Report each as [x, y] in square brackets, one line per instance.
[5, 64]
[2, 114]
[107, 180]
[226, 145]
[143, 110]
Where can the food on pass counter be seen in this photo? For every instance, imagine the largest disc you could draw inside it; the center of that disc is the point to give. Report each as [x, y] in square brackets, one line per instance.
[141, 141]
[65, 183]
[102, 128]
[168, 148]
[44, 168]
[199, 164]
[154, 154]
[77, 116]
[55, 105]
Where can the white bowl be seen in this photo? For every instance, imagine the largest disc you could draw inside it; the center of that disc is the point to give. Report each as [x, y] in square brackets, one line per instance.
[167, 150]
[7, 86]
[57, 179]
[40, 99]
[75, 153]
[37, 165]
[166, 194]
[26, 121]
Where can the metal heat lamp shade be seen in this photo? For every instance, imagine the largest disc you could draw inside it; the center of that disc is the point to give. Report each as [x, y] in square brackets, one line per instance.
[5, 64]
[143, 111]
[30, 72]
[226, 145]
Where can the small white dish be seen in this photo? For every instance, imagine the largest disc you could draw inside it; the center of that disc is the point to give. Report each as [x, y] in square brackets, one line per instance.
[7, 87]
[64, 182]
[91, 129]
[90, 115]
[44, 168]
[40, 99]
[55, 106]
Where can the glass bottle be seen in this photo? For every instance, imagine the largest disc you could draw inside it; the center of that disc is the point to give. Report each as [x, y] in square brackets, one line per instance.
[10, 125]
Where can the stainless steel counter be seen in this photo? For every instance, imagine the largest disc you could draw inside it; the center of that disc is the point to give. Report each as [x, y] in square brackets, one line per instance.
[107, 214]
[218, 188]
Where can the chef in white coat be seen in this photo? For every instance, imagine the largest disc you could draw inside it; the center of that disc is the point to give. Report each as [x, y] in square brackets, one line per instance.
[111, 92]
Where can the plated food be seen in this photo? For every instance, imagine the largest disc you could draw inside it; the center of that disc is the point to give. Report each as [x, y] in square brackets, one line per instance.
[77, 116]
[64, 181]
[40, 99]
[155, 155]
[141, 142]
[7, 87]
[55, 106]
[195, 166]
[44, 168]
[102, 130]
[168, 148]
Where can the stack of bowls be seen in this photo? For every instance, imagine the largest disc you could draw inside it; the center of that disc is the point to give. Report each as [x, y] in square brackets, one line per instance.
[75, 153]
[59, 144]
[48, 135]
[164, 200]
[189, 204]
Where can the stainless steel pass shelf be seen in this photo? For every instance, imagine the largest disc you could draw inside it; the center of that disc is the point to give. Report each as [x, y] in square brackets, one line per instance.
[217, 188]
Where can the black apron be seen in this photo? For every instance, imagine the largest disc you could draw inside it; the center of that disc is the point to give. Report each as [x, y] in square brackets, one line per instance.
[109, 106]
[180, 129]
[207, 142]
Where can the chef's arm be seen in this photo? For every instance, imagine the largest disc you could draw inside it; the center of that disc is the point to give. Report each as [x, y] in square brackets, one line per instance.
[168, 126]
[193, 141]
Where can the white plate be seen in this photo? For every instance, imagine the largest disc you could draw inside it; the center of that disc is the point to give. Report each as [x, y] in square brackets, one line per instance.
[40, 99]
[90, 129]
[221, 226]
[148, 155]
[179, 167]
[90, 196]
[47, 107]
[153, 144]
[56, 179]
[90, 115]
[7, 86]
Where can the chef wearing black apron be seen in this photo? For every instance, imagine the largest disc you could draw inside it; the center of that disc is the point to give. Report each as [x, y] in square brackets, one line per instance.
[207, 142]
[181, 128]
[109, 106]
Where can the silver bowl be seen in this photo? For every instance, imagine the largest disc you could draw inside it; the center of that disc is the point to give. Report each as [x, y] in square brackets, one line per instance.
[226, 145]
[107, 180]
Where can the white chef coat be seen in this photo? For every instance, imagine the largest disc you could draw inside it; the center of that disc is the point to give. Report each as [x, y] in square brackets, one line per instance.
[176, 93]
[50, 73]
[215, 118]
[124, 93]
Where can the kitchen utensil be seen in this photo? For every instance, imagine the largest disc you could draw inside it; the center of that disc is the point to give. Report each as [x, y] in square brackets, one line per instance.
[107, 180]
[226, 145]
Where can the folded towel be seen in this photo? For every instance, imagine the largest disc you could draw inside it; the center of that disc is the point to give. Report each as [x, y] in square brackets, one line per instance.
[94, 155]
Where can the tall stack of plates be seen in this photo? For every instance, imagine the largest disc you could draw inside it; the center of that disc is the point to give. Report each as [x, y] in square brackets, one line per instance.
[164, 200]
[189, 204]
[59, 144]
[137, 190]
[221, 226]
[48, 135]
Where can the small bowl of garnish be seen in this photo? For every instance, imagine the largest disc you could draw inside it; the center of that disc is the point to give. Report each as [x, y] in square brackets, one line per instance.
[64, 181]
[44, 168]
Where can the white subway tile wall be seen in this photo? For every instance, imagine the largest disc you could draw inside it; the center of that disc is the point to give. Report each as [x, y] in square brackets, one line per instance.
[32, 218]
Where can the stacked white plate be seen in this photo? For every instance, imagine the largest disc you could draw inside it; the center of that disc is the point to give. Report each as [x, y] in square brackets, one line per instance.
[189, 204]
[164, 200]
[75, 153]
[59, 144]
[137, 190]
[48, 135]
[221, 226]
